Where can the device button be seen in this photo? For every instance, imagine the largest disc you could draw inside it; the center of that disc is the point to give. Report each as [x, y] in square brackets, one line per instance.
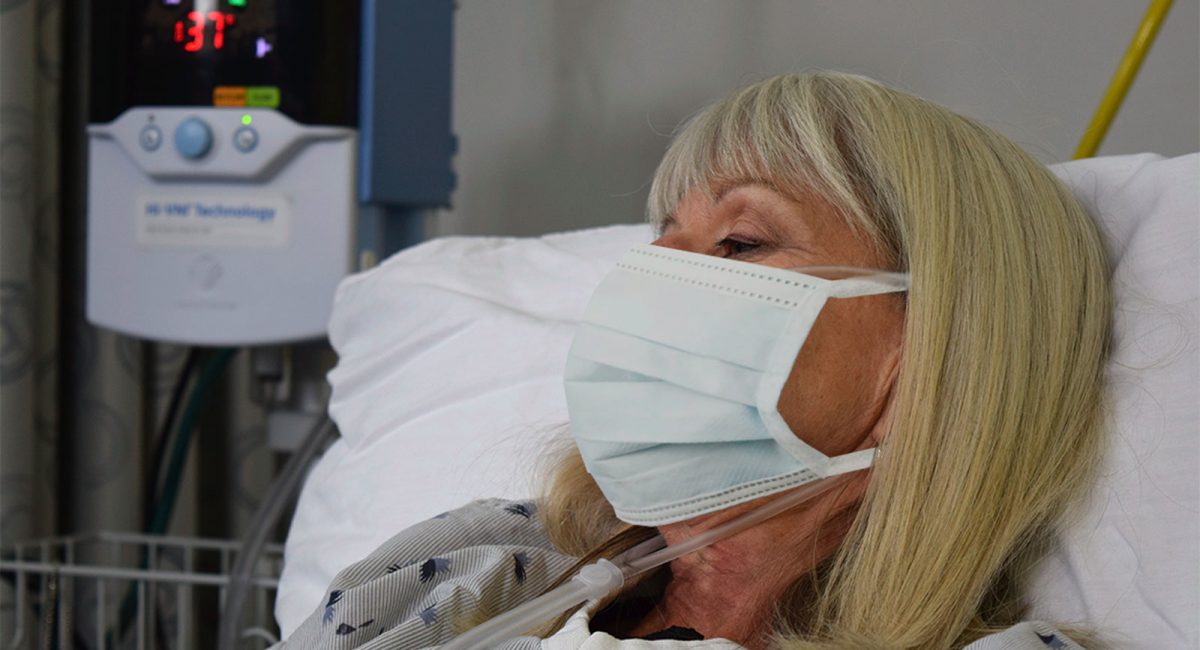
[150, 138]
[193, 138]
[245, 139]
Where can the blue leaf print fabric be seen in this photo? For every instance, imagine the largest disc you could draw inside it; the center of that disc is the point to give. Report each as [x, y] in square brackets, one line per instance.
[429, 615]
[520, 560]
[525, 509]
[334, 597]
[1051, 641]
[432, 567]
[343, 629]
[428, 583]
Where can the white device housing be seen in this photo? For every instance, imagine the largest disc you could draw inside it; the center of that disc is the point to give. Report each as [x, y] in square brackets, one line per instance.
[237, 246]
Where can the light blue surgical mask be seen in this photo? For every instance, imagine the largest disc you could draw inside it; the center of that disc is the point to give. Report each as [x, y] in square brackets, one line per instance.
[674, 376]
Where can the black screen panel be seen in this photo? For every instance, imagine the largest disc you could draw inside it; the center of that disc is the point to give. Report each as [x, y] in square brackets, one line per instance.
[299, 56]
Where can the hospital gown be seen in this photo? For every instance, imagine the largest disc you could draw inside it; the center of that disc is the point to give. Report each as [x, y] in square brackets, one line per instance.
[431, 582]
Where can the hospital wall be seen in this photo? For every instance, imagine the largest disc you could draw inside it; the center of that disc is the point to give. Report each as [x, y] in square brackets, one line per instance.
[563, 107]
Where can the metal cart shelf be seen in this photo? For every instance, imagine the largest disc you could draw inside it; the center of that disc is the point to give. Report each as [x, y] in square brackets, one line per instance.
[127, 590]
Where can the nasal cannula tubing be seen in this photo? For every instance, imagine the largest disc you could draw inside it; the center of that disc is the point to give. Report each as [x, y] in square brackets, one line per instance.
[603, 577]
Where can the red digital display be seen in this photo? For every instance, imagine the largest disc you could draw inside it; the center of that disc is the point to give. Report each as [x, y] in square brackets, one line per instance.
[299, 57]
[199, 30]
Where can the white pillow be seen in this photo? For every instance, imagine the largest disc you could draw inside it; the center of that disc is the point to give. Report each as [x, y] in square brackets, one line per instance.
[449, 375]
[1132, 564]
[449, 378]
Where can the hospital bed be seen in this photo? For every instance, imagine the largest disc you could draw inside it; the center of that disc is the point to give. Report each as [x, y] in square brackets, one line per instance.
[448, 389]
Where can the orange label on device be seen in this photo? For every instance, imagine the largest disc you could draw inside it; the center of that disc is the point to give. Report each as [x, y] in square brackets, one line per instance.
[229, 96]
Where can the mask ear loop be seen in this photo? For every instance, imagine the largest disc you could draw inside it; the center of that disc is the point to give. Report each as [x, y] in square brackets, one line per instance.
[862, 282]
[869, 282]
[872, 282]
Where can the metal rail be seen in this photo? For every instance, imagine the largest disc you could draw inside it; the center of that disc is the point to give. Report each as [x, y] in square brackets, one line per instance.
[128, 582]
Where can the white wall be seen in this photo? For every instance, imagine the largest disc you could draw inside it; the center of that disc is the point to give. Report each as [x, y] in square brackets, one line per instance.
[563, 107]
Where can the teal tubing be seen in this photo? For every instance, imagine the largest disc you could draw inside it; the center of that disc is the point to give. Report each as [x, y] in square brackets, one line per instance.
[164, 506]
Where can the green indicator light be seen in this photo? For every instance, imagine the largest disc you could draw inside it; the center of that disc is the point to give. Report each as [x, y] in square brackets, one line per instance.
[262, 96]
[246, 119]
[237, 3]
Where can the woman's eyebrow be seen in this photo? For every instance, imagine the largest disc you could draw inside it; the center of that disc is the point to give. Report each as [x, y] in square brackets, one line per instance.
[720, 192]
[724, 189]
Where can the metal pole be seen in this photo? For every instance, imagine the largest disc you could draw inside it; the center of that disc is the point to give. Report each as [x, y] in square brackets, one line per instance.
[1123, 79]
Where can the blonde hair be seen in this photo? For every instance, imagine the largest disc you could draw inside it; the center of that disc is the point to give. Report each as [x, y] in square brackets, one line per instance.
[998, 411]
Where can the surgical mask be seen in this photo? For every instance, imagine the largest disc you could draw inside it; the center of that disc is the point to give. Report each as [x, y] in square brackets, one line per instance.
[674, 377]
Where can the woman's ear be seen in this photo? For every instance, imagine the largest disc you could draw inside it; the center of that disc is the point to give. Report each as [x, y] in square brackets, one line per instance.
[890, 377]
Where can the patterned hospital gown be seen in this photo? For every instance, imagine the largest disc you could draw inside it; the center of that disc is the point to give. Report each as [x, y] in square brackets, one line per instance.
[436, 579]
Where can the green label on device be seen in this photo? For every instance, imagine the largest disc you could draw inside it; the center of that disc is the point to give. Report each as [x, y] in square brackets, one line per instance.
[262, 96]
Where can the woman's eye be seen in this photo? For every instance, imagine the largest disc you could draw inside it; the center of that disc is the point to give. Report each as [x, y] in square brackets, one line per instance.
[737, 247]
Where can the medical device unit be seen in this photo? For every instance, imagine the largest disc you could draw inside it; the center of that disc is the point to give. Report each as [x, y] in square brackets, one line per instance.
[245, 155]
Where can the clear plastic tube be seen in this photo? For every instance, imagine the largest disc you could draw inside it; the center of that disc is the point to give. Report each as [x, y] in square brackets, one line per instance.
[604, 577]
[636, 566]
[593, 581]
[264, 524]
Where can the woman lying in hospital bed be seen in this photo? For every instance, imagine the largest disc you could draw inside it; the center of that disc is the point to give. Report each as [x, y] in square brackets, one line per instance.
[853, 292]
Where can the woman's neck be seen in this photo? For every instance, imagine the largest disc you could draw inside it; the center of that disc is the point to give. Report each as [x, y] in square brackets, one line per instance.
[730, 589]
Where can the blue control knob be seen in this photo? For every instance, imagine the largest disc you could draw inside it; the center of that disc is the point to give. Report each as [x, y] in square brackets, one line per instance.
[193, 138]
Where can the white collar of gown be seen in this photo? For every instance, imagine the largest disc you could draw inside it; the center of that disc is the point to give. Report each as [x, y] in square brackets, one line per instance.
[576, 635]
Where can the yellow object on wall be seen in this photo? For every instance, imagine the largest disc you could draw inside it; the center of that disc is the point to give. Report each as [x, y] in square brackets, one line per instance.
[1123, 78]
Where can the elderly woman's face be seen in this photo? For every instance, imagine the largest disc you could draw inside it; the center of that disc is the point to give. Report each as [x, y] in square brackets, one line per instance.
[840, 383]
